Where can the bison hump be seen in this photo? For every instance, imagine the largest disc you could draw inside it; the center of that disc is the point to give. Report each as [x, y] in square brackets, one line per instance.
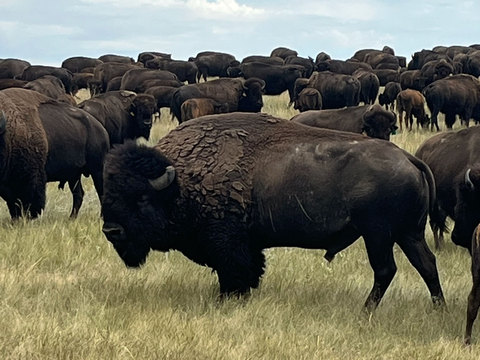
[213, 167]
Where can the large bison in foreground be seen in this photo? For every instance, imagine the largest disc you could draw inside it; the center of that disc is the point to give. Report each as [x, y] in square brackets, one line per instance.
[222, 188]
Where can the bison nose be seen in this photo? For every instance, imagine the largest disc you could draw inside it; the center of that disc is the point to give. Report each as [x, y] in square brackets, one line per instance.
[114, 232]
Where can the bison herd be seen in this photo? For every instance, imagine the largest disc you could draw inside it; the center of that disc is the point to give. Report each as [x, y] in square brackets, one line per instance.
[231, 181]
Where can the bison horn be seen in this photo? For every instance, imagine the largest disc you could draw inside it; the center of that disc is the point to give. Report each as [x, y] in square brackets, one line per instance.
[165, 180]
[3, 122]
[468, 181]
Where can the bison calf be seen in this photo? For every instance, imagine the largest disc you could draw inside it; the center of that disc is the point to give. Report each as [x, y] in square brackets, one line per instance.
[196, 107]
[308, 99]
[413, 103]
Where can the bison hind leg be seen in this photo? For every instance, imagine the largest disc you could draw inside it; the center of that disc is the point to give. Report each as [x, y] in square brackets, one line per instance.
[420, 256]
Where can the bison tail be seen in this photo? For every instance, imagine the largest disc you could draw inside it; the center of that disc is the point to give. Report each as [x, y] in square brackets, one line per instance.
[437, 219]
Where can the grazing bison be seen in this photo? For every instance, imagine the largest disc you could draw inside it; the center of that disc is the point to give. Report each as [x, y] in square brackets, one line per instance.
[23, 154]
[11, 68]
[124, 114]
[372, 120]
[77, 144]
[76, 64]
[283, 52]
[342, 66]
[306, 63]
[474, 297]
[117, 59]
[413, 103]
[386, 75]
[185, 70]
[308, 99]
[9, 83]
[456, 94]
[278, 78]
[222, 188]
[369, 85]
[419, 58]
[34, 72]
[389, 94]
[48, 85]
[163, 95]
[337, 90]
[193, 108]
[211, 63]
[133, 79]
[412, 79]
[229, 91]
[454, 159]
[105, 72]
[263, 59]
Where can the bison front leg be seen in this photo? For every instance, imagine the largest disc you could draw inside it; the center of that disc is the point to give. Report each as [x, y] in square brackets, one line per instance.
[239, 267]
[380, 255]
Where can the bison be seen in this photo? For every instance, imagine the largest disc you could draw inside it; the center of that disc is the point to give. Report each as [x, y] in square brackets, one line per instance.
[278, 78]
[34, 72]
[193, 108]
[308, 99]
[233, 92]
[337, 90]
[222, 188]
[372, 120]
[77, 144]
[474, 297]
[212, 63]
[389, 95]
[413, 103]
[456, 94]
[124, 114]
[369, 85]
[23, 155]
[454, 158]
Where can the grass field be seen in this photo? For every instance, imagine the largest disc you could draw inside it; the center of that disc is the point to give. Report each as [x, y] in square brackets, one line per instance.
[65, 294]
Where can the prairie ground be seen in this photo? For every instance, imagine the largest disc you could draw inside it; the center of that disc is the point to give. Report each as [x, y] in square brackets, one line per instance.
[65, 294]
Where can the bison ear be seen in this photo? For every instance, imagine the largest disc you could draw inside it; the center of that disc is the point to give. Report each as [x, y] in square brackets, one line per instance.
[165, 180]
[3, 123]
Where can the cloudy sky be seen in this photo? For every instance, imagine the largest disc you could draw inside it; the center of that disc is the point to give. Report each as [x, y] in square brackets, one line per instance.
[47, 32]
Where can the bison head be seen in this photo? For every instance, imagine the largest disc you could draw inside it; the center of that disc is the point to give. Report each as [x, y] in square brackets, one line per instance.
[467, 208]
[252, 101]
[142, 108]
[139, 194]
[379, 123]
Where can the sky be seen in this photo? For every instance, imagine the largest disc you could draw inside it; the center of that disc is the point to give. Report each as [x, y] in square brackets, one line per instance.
[47, 32]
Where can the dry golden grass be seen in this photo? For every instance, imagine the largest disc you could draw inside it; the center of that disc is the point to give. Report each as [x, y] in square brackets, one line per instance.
[65, 294]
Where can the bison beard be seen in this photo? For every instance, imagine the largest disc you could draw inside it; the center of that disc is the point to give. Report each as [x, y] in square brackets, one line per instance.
[246, 182]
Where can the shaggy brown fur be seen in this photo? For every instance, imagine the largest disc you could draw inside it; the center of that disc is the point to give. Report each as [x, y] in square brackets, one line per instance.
[23, 154]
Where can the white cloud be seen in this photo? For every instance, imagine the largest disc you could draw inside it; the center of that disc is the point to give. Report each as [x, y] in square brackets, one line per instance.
[134, 3]
[36, 30]
[339, 10]
[216, 8]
